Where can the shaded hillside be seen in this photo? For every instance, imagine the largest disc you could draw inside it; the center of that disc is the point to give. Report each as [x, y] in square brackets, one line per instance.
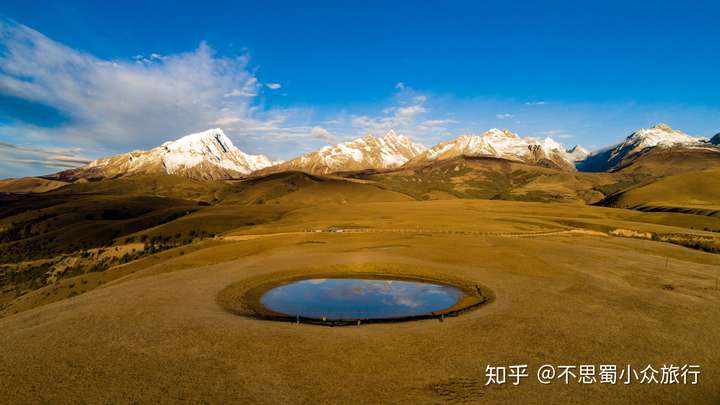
[151, 185]
[299, 188]
[46, 225]
[669, 161]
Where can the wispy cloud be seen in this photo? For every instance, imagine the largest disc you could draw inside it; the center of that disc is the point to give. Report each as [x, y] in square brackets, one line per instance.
[116, 105]
[393, 118]
[556, 133]
[53, 158]
[273, 86]
[504, 116]
[405, 114]
[322, 133]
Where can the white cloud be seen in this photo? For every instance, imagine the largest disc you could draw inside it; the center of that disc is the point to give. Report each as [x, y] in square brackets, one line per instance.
[322, 133]
[48, 158]
[240, 93]
[228, 121]
[504, 116]
[116, 105]
[536, 103]
[556, 133]
[436, 123]
[403, 115]
[273, 86]
[396, 118]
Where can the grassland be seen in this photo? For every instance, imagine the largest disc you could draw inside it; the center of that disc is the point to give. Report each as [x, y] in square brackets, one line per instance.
[691, 192]
[572, 284]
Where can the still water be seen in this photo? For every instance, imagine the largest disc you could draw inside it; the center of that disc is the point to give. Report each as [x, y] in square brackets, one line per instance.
[349, 298]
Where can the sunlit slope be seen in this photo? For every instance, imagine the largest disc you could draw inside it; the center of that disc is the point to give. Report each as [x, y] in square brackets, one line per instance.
[492, 179]
[29, 185]
[161, 245]
[162, 337]
[695, 192]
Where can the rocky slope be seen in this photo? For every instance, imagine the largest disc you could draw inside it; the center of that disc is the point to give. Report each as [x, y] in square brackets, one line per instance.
[208, 155]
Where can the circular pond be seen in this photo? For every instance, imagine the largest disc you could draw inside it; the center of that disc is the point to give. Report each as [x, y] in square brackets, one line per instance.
[348, 299]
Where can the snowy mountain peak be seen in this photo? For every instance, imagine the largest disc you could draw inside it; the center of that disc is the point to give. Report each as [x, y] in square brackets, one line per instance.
[368, 152]
[494, 132]
[662, 127]
[209, 147]
[659, 135]
[577, 153]
[638, 144]
[550, 145]
[204, 155]
[392, 135]
[500, 144]
[213, 141]
[578, 150]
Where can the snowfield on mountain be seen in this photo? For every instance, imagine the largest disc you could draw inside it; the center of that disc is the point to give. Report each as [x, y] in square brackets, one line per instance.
[368, 152]
[207, 155]
[640, 143]
[501, 144]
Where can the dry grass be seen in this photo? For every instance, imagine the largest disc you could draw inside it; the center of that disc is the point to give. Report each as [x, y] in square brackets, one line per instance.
[152, 330]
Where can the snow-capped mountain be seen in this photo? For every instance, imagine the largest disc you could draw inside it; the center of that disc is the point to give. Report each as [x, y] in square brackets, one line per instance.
[577, 153]
[639, 143]
[208, 155]
[368, 152]
[501, 144]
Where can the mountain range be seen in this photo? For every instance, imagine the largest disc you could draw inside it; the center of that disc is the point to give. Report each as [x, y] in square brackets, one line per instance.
[368, 152]
[501, 144]
[211, 155]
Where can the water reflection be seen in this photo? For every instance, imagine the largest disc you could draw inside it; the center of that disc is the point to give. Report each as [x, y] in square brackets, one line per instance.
[347, 298]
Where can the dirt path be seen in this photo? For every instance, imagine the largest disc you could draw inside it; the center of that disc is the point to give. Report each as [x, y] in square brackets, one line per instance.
[235, 238]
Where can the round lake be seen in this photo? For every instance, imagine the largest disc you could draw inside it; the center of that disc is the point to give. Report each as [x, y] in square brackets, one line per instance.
[352, 298]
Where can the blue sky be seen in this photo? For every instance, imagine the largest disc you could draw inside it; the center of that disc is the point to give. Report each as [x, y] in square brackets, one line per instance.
[79, 80]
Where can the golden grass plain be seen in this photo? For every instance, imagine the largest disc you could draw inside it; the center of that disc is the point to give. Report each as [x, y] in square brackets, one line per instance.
[152, 330]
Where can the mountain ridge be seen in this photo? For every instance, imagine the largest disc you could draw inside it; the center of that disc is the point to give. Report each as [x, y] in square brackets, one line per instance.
[368, 152]
[499, 144]
[638, 144]
[206, 155]
[211, 155]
